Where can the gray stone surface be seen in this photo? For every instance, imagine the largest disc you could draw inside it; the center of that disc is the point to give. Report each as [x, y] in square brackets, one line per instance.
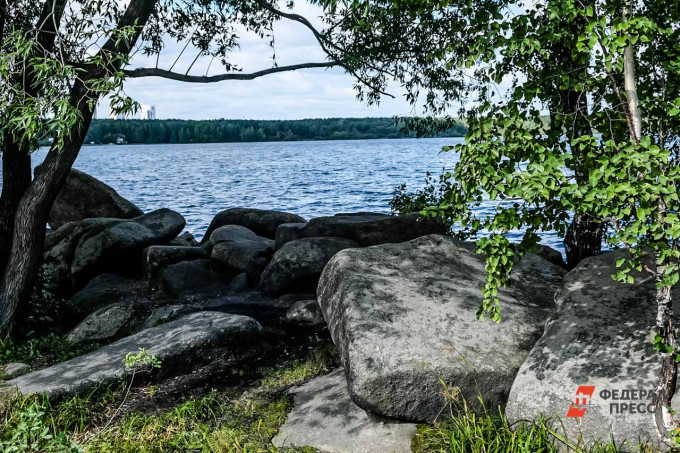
[55, 271]
[550, 254]
[161, 315]
[243, 256]
[79, 251]
[15, 369]
[191, 277]
[297, 265]
[404, 316]
[103, 290]
[83, 197]
[325, 418]
[306, 313]
[260, 221]
[231, 233]
[158, 257]
[105, 323]
[287, 232]
[180, 345]
[185, 239]
[366, 228]
[601, 335]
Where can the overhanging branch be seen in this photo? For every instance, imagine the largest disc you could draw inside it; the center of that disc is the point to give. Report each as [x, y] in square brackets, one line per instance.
[164, 73]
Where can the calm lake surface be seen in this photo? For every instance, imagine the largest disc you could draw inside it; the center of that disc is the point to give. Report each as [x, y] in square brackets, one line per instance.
[307, 178]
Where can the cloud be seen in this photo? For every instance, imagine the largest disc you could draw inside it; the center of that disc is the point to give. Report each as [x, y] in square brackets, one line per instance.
[310, 93]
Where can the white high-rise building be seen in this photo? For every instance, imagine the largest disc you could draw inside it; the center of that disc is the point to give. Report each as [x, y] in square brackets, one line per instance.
[148, 112]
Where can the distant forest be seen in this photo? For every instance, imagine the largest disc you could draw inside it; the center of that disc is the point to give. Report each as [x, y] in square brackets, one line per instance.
[220, 131]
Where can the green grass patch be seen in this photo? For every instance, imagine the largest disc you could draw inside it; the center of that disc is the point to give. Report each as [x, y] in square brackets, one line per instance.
[491, 433]
[320, 361]
[41, 351]
[215, 422]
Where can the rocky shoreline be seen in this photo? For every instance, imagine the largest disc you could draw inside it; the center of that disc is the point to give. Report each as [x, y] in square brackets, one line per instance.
[395, 295]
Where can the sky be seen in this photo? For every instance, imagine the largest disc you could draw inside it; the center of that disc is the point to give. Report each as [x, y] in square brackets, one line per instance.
[309, 93]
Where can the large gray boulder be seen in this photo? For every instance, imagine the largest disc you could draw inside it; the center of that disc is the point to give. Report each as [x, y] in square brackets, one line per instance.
[106, 323]
[365, 228]
[79, 251]
[239, 250]
[404, 317]
[324, 417]
[192, 277]
[103, 290]
[260, 221]
[296, 266]
[84, 197]
[306, 313]
[181, 345]
[158, 257]
[602, 335]
[60, 245]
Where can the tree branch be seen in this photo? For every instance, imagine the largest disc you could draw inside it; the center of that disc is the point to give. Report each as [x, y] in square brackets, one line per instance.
[164, 73]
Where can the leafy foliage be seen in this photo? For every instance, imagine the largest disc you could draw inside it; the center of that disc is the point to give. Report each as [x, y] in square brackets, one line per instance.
[220, 131]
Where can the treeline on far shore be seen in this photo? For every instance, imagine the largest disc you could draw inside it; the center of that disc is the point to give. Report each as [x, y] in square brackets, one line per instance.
[223, 130]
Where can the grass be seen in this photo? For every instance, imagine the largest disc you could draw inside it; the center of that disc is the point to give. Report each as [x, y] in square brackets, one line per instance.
[321, 360]
[214, 422]
[486, 432]
[224, 422]
[41, 351]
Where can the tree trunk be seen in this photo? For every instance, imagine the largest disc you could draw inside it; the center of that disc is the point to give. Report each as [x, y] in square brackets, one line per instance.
[584, 235]
[583, 239]
[665, 388]
[16, 159]
[16, 176]
[35, 204]
[29, 225]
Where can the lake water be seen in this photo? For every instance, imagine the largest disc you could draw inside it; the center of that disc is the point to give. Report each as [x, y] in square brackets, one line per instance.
[307, 178]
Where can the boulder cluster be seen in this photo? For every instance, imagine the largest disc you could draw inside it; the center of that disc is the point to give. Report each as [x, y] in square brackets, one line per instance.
[396, 295]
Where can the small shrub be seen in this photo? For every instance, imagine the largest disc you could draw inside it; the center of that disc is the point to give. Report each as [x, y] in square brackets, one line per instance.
[44, 351]
[431, 195]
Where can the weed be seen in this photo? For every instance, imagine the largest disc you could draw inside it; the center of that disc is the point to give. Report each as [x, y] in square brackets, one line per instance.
[321, 360]
[41, 351]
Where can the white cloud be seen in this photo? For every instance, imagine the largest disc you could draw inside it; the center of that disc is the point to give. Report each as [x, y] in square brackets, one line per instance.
[301, 94]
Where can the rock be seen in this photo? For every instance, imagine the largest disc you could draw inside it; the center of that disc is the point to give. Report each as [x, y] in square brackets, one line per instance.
[262, 222]
[197, 276]
[55, 271]
[326, 419]
[231, 233]
[297, 265]
[249, 257]
[104, 324]
[181, 345]
[185, 239]
[158, 257]
[601, 335]
[366, 228]
[253, 304]
[306, 313]
[287, 232]
[79, 251]
[119, 247]
[15, 369]
[83, 197]
[404, 315]
[550, 254]
[103, 290]
[161, 315]
[239, 284]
